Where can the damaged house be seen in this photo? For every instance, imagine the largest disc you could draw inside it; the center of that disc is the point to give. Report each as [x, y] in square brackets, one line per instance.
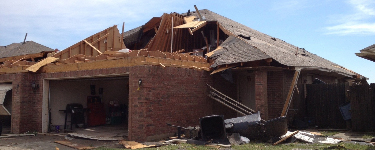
[161, 72]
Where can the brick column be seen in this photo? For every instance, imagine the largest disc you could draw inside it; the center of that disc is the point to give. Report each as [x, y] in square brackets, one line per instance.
[261, 101]
[26, 103]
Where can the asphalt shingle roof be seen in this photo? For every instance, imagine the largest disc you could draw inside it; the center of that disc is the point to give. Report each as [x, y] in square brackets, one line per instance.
[17, 49]
[252, 40]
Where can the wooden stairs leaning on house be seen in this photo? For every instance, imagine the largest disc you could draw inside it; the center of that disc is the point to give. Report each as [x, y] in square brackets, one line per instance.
[229, 102]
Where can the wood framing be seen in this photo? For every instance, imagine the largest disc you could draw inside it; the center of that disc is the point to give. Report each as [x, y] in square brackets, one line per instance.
[109, 39]
[22, 57]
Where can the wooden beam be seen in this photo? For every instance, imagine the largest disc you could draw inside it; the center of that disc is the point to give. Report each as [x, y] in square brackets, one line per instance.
[93, 47]
[122, 33]
[199, 14]
[286, 137]
[290, 93]
[126, 62]
[42, 63]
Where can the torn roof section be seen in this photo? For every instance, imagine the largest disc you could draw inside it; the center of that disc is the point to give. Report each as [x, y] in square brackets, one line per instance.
[234, 50]
[367, 53]
[277, 49]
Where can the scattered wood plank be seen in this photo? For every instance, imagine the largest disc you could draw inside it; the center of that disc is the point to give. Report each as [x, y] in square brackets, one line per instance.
[42, 63]
[134, 145]
[286, 137]
[73, 145]
[290, 93]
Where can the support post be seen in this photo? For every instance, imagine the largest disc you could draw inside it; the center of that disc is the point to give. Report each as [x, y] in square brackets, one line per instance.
[290, 93]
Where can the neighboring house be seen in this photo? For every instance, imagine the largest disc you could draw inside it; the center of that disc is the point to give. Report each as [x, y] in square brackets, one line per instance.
[164, 77]
[17, 54]
[367, 53]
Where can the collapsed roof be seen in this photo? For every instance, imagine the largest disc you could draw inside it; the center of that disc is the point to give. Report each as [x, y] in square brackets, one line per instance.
[201, 40]
[238, 44]
[367, 53]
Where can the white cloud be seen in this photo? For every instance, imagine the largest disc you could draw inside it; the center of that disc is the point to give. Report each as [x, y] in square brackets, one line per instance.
[360, 22]
[68, 21]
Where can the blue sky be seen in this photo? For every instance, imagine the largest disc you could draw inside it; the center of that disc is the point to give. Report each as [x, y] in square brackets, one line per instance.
[332, 29]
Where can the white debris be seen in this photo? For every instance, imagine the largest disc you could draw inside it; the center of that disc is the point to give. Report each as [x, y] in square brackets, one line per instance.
[124, 50]
[305, 136]
[329, 140]
[245, 140]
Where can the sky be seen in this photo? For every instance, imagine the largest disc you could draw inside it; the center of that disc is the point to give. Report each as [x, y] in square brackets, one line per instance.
[332, 29]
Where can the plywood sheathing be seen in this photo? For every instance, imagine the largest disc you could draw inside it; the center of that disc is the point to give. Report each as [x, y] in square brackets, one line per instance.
[107, 40]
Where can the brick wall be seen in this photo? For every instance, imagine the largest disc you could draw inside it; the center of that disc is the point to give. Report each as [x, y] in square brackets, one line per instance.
[26, 112]
[275, 90]
[166, 95]
[261, 101]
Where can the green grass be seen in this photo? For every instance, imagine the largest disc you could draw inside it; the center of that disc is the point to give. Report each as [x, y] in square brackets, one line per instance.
[329, 133]
[368, 136]
[264, 146]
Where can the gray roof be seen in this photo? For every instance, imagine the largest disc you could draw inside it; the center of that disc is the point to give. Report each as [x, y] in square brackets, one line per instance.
[133, 35]
[367, 53]
[17, 49]
[255, 42]
[234, 50]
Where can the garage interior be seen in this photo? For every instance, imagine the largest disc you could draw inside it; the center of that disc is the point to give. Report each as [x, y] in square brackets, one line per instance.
[84, 103]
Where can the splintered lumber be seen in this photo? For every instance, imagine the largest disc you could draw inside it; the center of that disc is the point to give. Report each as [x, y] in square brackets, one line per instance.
[290, 93]
[134, 145]
[42, 63]
[73, 145]
[162, 40]
[286, 137]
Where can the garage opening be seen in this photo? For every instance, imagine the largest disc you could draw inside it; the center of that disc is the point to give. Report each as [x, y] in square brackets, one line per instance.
[89, 106]
[5, 107]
